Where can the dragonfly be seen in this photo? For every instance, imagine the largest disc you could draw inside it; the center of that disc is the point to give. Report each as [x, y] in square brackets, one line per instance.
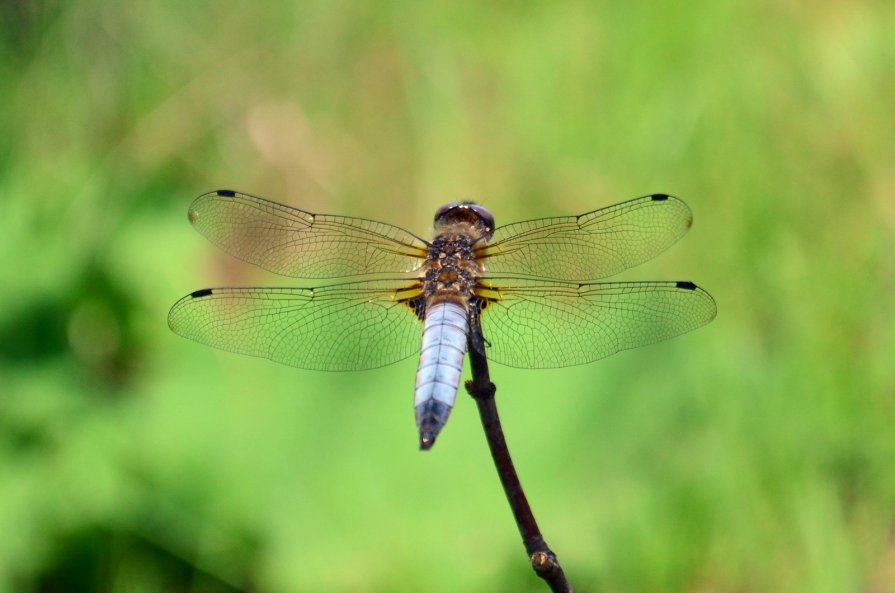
[384, 294]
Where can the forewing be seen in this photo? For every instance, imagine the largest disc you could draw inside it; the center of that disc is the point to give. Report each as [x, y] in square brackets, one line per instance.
[296, 243]
[591, 246]
[346, 327]
[541, 324]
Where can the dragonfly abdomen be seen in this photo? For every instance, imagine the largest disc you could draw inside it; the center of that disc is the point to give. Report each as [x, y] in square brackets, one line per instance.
[441, 362]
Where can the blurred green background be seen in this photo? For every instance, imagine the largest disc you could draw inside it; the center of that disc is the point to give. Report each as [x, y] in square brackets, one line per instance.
[756, 454]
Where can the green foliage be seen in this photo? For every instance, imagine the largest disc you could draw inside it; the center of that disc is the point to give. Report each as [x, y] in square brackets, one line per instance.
[753, 455]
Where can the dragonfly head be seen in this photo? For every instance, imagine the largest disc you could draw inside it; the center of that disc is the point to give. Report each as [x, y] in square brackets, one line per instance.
[467, 213]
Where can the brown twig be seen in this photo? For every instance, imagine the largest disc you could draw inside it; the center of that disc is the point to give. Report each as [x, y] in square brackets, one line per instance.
[482, 390]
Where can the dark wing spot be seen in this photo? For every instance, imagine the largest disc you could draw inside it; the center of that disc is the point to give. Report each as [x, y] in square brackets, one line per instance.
[201, 293]
[226, 193]
[686, 285]
[418, 306]
[659, 197]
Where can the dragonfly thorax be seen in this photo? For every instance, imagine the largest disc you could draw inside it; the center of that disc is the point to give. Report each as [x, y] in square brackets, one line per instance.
[451, 269]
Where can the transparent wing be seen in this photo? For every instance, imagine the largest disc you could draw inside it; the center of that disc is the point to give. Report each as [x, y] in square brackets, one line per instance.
[345, 327]
[542, 324]
[591, 246]
[296, 243]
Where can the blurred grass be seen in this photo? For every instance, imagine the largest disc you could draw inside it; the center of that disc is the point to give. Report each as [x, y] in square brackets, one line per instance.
[753, 455]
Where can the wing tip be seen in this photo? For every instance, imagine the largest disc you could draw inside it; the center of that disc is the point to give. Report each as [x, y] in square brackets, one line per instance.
[199, 204]
[688, 285]
[172, 314]
[678, 203]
